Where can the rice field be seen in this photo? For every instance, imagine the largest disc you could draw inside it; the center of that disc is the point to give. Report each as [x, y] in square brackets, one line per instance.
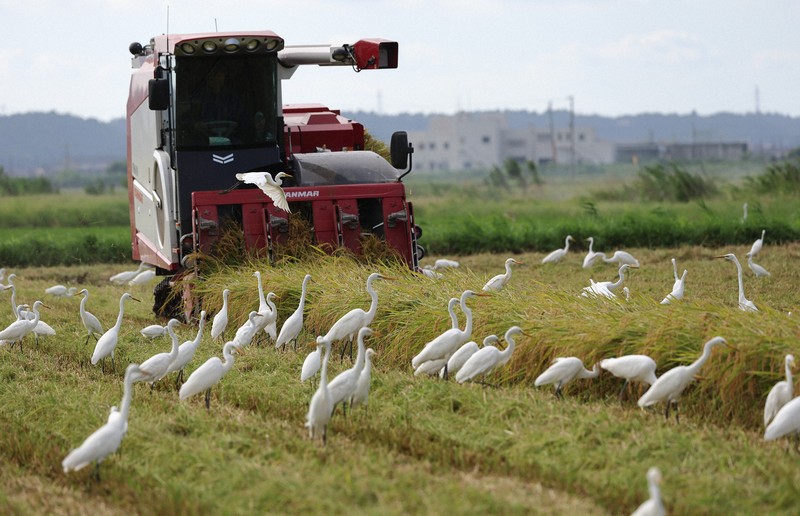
[425, 445]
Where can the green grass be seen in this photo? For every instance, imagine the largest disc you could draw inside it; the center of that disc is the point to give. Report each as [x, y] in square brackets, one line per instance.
[49, 246]
[425, 445]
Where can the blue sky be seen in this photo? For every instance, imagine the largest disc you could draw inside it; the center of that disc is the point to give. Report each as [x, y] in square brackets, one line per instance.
[615, 57]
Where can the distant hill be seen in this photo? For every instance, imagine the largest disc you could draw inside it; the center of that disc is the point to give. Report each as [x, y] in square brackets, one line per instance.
[48, 141]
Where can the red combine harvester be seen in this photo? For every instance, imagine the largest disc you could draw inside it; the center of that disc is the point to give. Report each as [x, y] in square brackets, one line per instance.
[204, 107]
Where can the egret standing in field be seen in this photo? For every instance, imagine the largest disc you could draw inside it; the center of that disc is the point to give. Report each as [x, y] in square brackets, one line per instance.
[220, 321]
[209, 374]
[564, 370]
[294, 323]
[143, 278]
[462, 354]
[90, 322]
[444, 263]
[312, 362]
[18, 329]
[267, 312]
[744, 213]
[654, 506]
[108, 341]
[124, 277]
[621, 258]
[60, 291]
[558, 254]
[271, 187]
[186, 352]
[744, 303]
[152, 331]
[591, 257]
[488, 358]
[786, 421]
[670, 385]
[606, 288]
[246, 332]
[757, 269]
[105, 440]
[678, 287]
[157, 366]
[499, 281]
[757, 245]
[320, 409]
[633, 368]
[361, 394]
[781, 393]
[342, 387]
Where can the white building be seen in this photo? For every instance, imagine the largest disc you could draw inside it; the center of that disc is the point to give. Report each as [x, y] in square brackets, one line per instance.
[482, 140]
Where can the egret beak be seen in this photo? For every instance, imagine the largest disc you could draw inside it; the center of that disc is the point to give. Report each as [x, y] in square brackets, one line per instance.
[483, 294]
[723, 256]
[526, 334]
[390, 278]
[135, 299]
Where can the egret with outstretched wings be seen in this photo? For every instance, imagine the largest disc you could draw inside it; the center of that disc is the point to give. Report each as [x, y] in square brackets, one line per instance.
[268, 185]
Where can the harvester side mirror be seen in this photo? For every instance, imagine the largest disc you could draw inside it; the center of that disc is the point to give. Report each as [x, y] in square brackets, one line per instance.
[158, 92]
[374, 54]
[400, 150]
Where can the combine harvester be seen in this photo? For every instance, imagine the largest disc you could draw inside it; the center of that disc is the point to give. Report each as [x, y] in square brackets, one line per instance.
[204, 107]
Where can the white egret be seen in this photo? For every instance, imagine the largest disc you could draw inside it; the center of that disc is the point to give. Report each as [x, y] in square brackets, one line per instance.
[108, 341]
[558, 254]
[105, 440]
[294, 323]
[786, 421]
[220, 321]
[444, 263]
[143, 278]
[653, 506]
[488, 358]
[320, 409]
[757, 245]
[448, 342]
[633, 368]
[431, 367]
[669, 386]
[10, 286]
[499, 281]
[627, 292]
[90, 322]
[757, 269]
[60, 291]
[678, 286]
[209, 374]
[342, 387]
[124, 277]
[744, 303]
[153, 331]
[267, 312]
[606, 288]
[312, 363]
[349, 324]
[781, 393]
[460, 357]
[246, 332]
[744, 213]
[186, 351]
[361, 393]
[2, 276]
[157, 366]
[271, 187]
[622, 257]
[18, 329]
[564, 370]
[428, 272]
[42, 329]
[591, 257]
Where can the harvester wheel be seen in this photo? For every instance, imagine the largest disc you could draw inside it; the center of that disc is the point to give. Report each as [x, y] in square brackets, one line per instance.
[165, 303]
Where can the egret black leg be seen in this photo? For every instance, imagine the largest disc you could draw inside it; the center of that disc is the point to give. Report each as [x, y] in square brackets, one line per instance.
[666, 413]
[677, 415]
[208, 399]
[96, 472]
[87, 340]
[622, 391]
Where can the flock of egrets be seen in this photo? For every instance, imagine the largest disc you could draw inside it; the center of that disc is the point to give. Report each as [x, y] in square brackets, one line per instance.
[452, 353]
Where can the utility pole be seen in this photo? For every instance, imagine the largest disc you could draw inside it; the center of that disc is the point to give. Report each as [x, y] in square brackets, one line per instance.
[572, 132]
[553, 152]
[758, 102]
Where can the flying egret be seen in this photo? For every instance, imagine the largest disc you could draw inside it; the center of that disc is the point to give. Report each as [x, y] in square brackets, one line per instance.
[786, 421]
[431, 367]
[271, 187]
[349, 324]
[143, 278]
[60, 291]
[294, 323]
[361, 393]
[488, 358]
[460, 357]
[558, 254]
[653, 506]
[105, 440]
[153, 331]
[124, 277]
[758, 270]
[781, 393]
[157, 366]
[186, 352]
[564, 370]
[312, 362]
[744, 303]
[757, 245]
[448, 342]
[246, 332]
[669, 386]
[622, 257]
[90, 322]
[499, 281]
[320, 409]
[342, 387]
[18, 329]
[209, 374]
[678, 287]
[108, 341]
[444, 263]
[591, 257]
[607, 288]
[220, 321]
[633, 368]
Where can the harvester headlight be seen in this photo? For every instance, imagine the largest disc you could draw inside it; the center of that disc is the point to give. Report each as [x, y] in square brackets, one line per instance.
[272, 44]
[231, 45]
[187, 48]
[209, 46]
[252, 45]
